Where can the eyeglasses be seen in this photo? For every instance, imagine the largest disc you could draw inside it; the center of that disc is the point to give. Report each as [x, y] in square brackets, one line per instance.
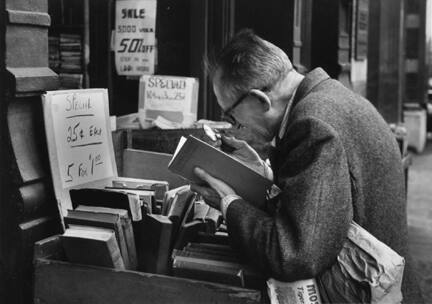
[227, 113]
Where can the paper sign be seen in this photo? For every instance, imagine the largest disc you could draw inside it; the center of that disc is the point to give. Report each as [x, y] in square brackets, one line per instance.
[171, 97]
[81, 136]
[135, 43]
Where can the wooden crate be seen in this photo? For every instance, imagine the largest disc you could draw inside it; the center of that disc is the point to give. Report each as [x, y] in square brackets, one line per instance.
[58, 281]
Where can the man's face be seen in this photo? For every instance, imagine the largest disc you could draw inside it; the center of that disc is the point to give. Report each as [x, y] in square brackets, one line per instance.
[248, 112]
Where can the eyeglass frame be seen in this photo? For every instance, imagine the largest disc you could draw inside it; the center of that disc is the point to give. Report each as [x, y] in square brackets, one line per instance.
[227, 113]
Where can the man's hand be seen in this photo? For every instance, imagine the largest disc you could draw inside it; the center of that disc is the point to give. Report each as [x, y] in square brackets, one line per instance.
[215, 192]
[246, 154]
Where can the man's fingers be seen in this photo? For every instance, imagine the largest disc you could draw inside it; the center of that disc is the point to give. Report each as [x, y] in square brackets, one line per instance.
[233, 142]
[200, 189]
[209, 195]
[204, 176]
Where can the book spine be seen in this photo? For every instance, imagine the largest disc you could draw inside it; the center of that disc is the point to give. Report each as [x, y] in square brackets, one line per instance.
[202, 270]
[130, 241]
[115, 254]
[206, 255]
[120, 235]
[212, 220]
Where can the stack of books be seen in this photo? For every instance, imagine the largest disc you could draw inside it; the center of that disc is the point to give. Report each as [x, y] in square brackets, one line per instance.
[214, 263]
[92, 246]
[166, 229]
[100, 236]
[70, 53]
[118, 209]
[158, 217]
[71, 61]
[54, 53]
[211, 217]
[71, 81]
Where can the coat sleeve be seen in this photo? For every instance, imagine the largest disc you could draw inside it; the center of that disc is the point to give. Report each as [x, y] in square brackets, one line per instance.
[314, 210]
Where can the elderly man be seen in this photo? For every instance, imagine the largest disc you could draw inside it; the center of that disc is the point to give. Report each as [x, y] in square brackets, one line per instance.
[335, 159]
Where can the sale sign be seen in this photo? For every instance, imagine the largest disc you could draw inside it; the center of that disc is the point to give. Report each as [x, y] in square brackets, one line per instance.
[135, 43]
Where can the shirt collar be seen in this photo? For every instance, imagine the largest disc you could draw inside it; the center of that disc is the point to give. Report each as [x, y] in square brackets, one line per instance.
[284, 122]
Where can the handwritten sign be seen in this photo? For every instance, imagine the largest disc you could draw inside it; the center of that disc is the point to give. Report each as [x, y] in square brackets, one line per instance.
[81, 144]
[173, 98]
[135, 43]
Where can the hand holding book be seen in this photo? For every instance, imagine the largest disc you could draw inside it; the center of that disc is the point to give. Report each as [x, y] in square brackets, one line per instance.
[236, 176]
[245, 154]
[215, 192]
[239, 149]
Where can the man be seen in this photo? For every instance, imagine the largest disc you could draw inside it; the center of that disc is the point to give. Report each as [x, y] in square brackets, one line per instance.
[335, 160]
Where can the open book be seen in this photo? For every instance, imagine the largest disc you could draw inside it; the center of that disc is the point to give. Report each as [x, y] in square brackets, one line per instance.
[192, 152]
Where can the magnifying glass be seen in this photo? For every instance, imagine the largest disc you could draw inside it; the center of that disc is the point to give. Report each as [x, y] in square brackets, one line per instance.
[214, 136]
[211, 133]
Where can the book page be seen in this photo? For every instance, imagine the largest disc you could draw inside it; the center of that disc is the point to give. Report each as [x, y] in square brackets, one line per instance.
[179, 146]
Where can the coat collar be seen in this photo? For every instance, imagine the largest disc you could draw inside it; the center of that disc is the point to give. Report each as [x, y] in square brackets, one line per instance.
[311, 80]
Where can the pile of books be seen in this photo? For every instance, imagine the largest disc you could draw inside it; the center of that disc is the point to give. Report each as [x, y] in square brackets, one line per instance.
[214, 263]
[100, 236]
[71, 81]
[143, 217]
[148, 227]
[65, 58]
[54, 53]
[70, 53]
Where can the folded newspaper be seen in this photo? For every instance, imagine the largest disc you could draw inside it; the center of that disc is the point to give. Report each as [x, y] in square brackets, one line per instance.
[366, 271]
[299, 292]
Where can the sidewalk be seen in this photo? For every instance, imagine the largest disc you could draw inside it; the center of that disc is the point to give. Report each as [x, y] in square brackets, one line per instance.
[420, 217]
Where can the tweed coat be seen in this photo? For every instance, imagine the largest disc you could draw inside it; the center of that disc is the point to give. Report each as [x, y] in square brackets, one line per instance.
[337, 160]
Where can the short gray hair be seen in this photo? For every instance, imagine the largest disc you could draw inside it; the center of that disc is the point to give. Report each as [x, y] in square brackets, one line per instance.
[248, 62]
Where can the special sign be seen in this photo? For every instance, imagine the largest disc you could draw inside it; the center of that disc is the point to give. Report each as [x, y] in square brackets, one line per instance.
[135, 37]
[81, 136]
[172, 97]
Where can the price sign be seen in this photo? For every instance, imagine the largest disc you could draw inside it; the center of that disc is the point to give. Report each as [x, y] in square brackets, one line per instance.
[171, 97]
[135, 37]
[81, 143]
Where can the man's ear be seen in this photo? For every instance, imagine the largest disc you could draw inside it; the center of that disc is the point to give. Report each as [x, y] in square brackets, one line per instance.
[262, 97]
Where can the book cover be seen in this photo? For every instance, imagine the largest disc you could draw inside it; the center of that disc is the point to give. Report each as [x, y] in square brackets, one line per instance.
[155, 242]
[204, 255]
[186, 232]
[201, 210]
[169, 198]
[180, 203]
[160, 187]
[184, 228]
[220, 238]
[102, 220]
[215, 267]
[192, 152]
[92, 246]
[212, 220]
[146, 197]
[127, 229]
[222, 250]
[107, 198]
[208, 270]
